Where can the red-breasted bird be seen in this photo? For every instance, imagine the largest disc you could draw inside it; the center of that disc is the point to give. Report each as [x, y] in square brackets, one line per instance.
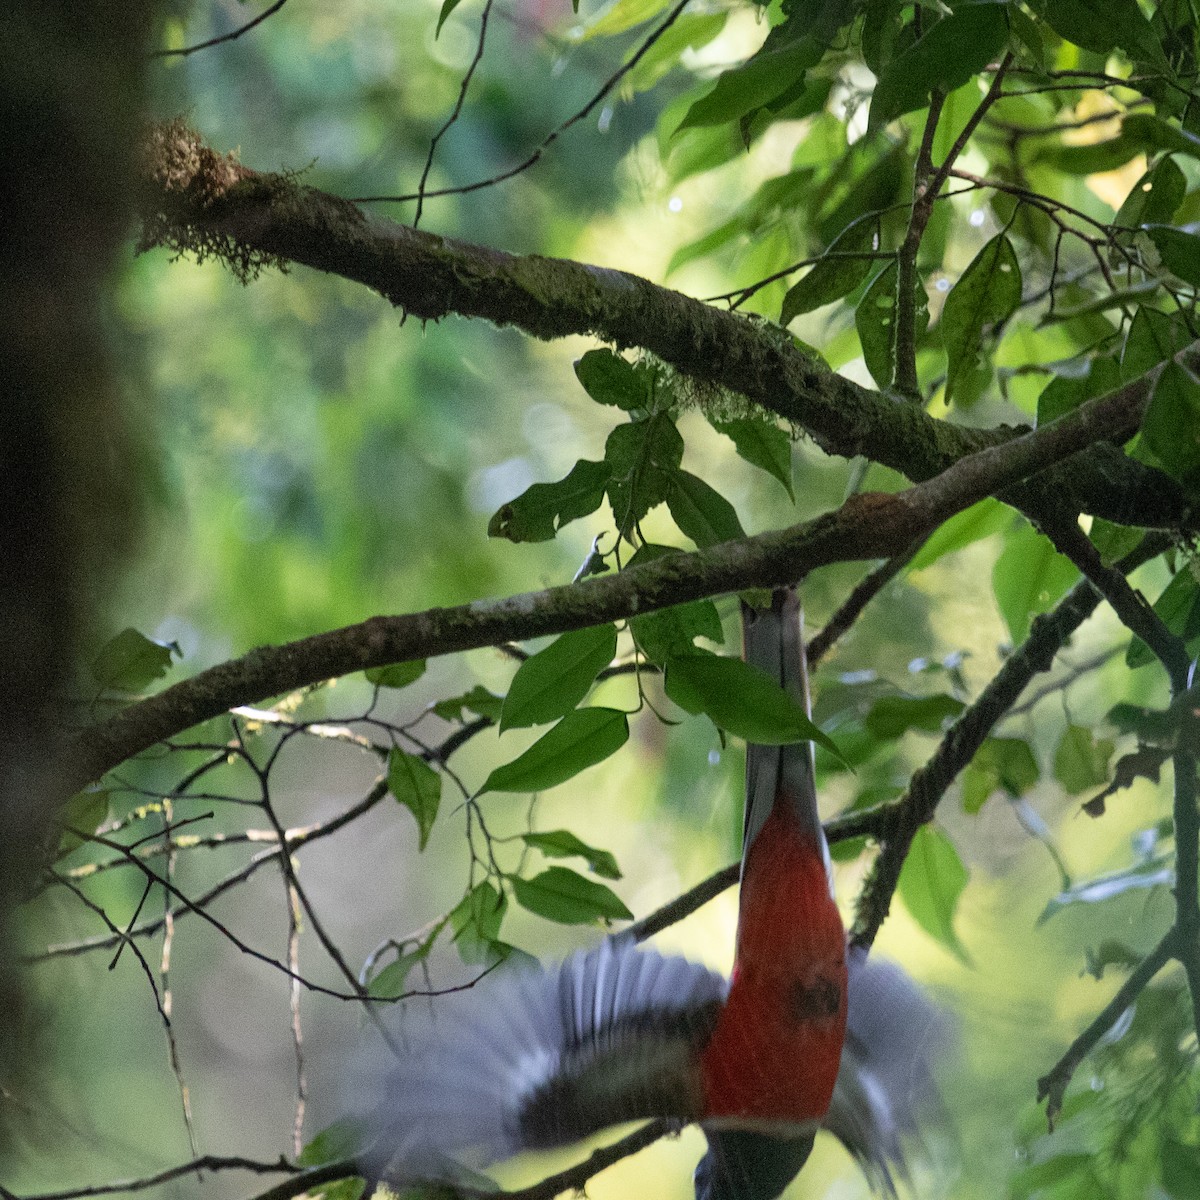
[540, 1058]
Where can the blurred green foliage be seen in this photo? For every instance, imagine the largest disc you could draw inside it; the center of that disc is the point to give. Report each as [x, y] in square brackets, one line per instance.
[320, 462]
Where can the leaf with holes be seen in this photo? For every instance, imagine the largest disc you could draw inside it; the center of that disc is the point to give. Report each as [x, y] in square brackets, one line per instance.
[987, 292]
[543, 509]
[580, 740]
[418, 787]
[562, 895]
[931, 882]
[550, 683]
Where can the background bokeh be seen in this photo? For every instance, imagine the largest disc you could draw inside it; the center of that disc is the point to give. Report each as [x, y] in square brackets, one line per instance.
[313, 461]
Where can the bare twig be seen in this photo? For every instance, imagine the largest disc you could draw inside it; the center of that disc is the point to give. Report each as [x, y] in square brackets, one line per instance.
[553, 136]
[208, 1162]
[1053, 1085]
[454, 113]
[225, 37]
[851, 608]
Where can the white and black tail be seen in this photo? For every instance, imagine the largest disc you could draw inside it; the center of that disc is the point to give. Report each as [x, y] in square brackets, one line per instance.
[534, 1058]
[773, 641]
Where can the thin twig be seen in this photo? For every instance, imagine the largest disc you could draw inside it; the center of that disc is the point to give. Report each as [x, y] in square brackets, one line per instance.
[553, 135]
[209, 1162]
[225, 37]
[1053, 1085]
[454, 114]
[165, 975]
[958, 746]
[852, 607]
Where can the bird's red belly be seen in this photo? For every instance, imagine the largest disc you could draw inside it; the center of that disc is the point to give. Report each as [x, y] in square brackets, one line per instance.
[774, 1055]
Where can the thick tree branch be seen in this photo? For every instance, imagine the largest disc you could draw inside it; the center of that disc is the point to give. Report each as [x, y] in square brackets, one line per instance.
[201, 202]
[873, 525]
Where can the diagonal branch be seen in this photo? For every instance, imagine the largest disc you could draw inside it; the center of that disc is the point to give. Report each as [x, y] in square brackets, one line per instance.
[873, 525]
[1046, 637]
[198, 201]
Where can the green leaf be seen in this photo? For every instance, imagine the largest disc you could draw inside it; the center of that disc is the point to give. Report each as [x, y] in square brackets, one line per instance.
[396, 675]
[478, 700]
[1081, 760]
[701, 512]
[762, 444]
[892, 716]
[609, 379]
[1104, 26]
[1171, 427]
[85, 811]
[1039, 1178]
[1179, 250]
[1065, 393]
[1006, 764]
[389, 983]
[343, 1189]
[740, 698]
[831, 276]
[621, 16]
[1156, 197]
[741, 90]
[971, 525]
[551, 682]
[1153, 337]
[954, 50]
[1177, 607]
[562, 895]
[1153, 133]
[543, 509]
[418, 787]
[641, 456]
[674, 630]
[476, 921]
[931, 881]
[580, 740]
[1029, 577]
[987, 293]
[341, 1140]
[131, 661]
[448, 6]
[562, 843]
[875, 322]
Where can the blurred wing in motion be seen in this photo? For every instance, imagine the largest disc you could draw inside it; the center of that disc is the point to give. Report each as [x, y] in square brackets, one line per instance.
[538, 1058]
